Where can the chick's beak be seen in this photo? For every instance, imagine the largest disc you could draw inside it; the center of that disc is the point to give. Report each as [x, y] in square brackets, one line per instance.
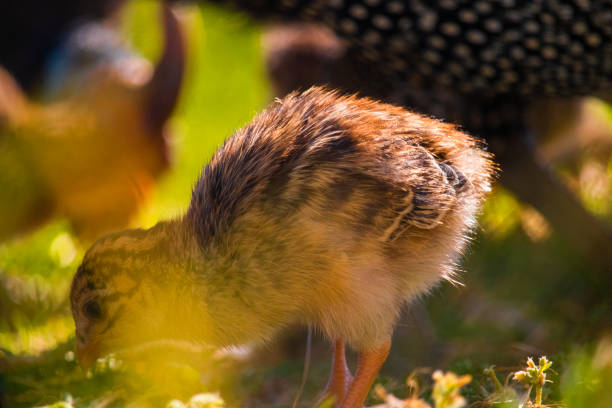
[87, 353]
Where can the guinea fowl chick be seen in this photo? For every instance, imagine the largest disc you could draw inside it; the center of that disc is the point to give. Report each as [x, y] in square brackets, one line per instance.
[328, 210]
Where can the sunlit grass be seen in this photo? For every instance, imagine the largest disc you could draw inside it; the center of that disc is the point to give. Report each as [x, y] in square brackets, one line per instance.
[35, 340]
[35, 273]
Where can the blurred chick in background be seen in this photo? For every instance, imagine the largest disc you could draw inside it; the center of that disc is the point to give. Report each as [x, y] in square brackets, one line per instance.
[93, 149]
[494, 67]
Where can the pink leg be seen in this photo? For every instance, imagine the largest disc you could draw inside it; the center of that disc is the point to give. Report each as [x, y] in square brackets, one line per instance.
[368, 366]
[340, 376]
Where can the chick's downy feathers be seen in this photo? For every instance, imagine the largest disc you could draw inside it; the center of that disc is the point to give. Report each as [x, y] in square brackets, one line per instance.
[326, 209]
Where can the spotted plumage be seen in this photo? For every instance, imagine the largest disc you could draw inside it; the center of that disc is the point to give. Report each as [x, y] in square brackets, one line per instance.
[327, 210]
[490, 47]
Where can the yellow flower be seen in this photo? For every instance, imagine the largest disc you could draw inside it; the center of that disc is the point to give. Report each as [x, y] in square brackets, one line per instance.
[446, 389]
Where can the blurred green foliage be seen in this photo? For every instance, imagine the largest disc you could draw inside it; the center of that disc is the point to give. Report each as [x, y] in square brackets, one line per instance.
[588, 380]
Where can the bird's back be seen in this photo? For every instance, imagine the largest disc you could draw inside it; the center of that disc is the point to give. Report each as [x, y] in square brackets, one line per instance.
[376, 169]
[326, 202]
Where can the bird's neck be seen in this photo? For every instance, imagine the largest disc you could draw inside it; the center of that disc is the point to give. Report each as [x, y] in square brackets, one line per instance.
[231, 290]
[246, 289]
[172, 283]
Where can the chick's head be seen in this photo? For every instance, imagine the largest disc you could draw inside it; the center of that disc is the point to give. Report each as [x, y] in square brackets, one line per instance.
[123, 295]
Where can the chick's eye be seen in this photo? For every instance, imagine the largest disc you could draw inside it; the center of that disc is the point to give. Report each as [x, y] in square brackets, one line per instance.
[92, 310]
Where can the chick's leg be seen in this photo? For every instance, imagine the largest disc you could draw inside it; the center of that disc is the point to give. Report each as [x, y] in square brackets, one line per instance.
[369, 364]
[340, 376]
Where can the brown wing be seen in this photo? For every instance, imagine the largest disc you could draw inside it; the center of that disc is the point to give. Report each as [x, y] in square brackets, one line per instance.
[425, 189]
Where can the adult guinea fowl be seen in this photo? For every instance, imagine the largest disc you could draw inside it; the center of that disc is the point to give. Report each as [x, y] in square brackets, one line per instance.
[328, 210]
[488, 65]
